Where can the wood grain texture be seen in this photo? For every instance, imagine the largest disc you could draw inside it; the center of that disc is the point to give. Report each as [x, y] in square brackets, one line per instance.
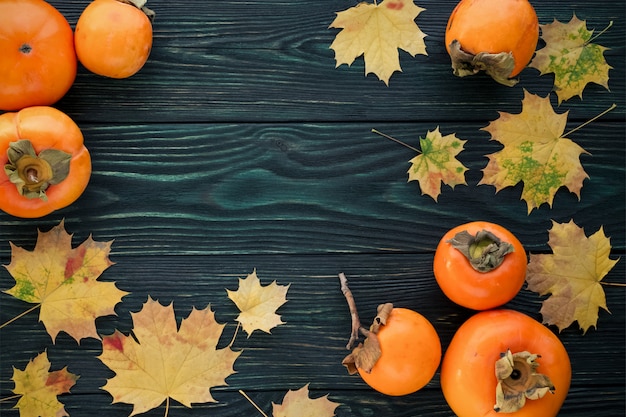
[239, 146]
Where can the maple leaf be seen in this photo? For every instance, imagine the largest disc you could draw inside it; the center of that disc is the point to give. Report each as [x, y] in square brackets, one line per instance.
[63, 280]
[298, 404]
[437, 163]
[571, 56]
[572, 275]
[160, 361]
[39, 388]
[535, 152]
[376, 31]
[258, 304]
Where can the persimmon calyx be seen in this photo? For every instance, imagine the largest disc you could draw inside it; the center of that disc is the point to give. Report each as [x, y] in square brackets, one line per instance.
[141, 5]
[366, 354]
[32, 174]
[518, 381]
[485, 251]
[499, 66]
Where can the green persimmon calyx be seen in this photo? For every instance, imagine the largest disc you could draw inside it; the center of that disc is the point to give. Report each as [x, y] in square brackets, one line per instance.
[485, 251]
[499, 66]
[32, 174]
[518, 380]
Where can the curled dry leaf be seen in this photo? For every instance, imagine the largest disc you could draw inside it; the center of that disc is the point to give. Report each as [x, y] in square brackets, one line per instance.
[299, 404]
[64, 280]
[258, 304]
[376, 31]
[571, 275]
[39, 388]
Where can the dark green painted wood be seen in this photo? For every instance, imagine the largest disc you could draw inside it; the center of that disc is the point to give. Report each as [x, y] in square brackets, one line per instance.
[240, 145]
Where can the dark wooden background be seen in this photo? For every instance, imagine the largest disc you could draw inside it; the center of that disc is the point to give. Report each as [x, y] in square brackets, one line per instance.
[240, 145]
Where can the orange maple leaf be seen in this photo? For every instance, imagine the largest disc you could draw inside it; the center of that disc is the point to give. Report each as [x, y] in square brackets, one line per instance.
[298, 404]
[160, 361]
[535, 153]
[39, 388]
[64, 282]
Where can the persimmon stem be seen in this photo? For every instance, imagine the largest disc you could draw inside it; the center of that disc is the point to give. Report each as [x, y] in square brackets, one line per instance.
[253, 403]
[591, 120]
[384, 135]
[601, 32]
[12, 397]
[20, 315]
[232, 341]
[356, 322]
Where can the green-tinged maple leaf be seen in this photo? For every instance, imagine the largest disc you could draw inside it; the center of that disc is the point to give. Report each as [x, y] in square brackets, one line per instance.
[437, 163]
[571, 56]
[535, 152]
[298, 404]
[571, 275]
[376, 31]
[160, 361]
[64, 281]
[258, 304]
[39, 388]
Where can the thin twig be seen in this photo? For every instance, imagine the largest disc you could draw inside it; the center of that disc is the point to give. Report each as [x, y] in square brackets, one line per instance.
[591, 120]
[20, 315]
[253, 403]
[356, 323]
[384, 135]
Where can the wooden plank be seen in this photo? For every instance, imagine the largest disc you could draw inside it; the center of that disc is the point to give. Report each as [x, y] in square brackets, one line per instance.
[271, 62]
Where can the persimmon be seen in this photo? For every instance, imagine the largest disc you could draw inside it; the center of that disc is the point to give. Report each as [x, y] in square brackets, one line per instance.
[503, 361]
[480, 265]
[497, 36]
[38, 64]
[113, 38]
[46, 164]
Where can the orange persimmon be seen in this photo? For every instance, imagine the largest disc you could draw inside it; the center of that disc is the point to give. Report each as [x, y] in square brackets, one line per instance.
[480, 265]
[497, 36]
[38, 64]
[46, 165]
[503, 362]
[113, 38]
[410, 354]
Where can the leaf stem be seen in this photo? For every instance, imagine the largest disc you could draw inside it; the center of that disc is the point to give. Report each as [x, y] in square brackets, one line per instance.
[12, 397]
[396, 140]
[232, 341]
[599, 34]
[167, 406]
[591, 120]
[20, 315]
[356, 322]
[613, 284]
[253, 403]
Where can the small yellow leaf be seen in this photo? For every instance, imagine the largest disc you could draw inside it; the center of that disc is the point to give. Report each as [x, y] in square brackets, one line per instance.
[39, 388]
[162, 361]
[377, 31]
[572, 275]
[298, 404]
[535, 153]
[258, 304]
[571, 56]
[437, 163]
[64, 280]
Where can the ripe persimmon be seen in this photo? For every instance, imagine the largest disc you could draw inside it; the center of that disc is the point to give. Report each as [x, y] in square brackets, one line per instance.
[503, 362]
[38, 64]
[46, 165]
[480, 265]
[113, 38]
[497, 36]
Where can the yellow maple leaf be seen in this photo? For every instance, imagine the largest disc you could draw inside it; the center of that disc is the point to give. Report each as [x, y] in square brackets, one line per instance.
[535, 152]
[39, 388]
[63, 281]
[160, 361]
[258, 304]
[571, 56]
[437, 163]
[298, 404]
[376, 31]
[572, 275]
